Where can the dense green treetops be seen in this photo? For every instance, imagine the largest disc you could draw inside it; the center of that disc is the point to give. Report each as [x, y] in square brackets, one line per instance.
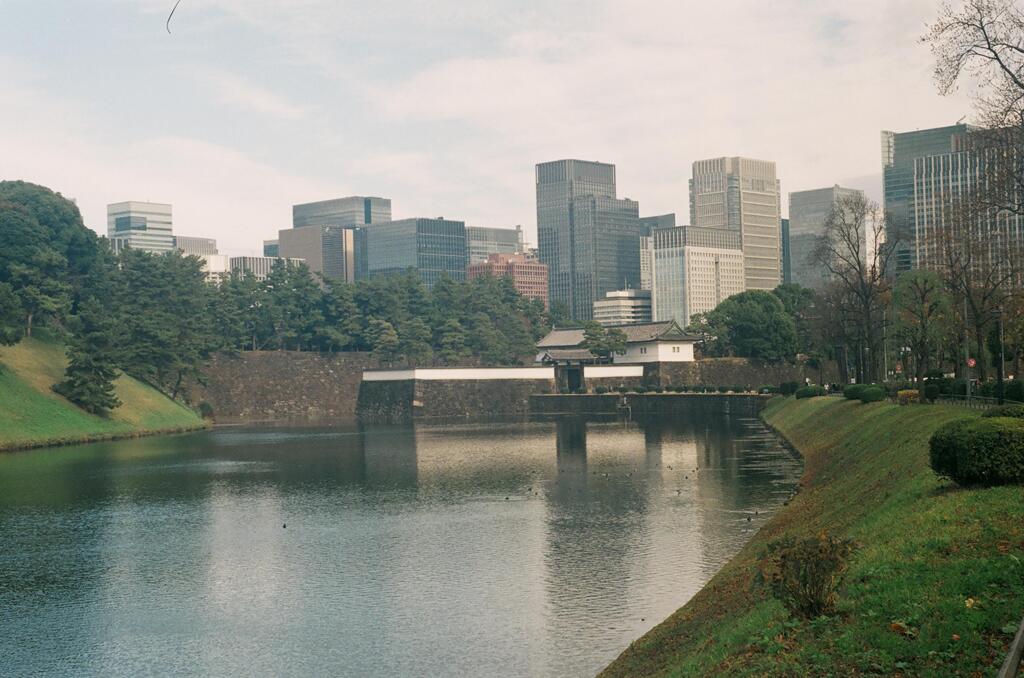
[753, 324]
[156, 318]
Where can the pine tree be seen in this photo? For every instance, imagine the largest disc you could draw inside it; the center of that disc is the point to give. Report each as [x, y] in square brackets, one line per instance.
[91, 371]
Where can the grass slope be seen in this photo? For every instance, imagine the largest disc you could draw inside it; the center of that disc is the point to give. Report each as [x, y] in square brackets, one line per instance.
[936, 587]
[33, 415]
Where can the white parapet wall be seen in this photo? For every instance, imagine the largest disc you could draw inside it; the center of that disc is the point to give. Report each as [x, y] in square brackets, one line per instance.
[612, 371]
[461, 374]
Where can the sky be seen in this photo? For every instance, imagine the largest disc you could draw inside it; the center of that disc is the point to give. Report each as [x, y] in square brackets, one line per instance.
[250, 106]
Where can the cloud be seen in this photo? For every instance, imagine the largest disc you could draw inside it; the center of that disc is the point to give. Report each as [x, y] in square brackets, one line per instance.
[446, 106]
[234, 91]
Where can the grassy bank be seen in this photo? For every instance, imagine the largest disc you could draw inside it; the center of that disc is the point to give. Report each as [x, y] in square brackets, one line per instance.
[32, 415]
[936, 587]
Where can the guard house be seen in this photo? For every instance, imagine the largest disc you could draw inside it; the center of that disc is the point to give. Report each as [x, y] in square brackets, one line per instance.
[660, 342]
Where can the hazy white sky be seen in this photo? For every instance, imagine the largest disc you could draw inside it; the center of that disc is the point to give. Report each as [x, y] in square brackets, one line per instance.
[445, 106]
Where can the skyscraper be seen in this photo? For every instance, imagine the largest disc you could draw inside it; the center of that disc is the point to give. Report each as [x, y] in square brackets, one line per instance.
[483, 242]
[808, 212]
[650, 224]
[899, 152]
[323, 233]
[354, 210]
[589, 239]
[695, 269]
[142, 226]
[327, 250]
[432, 247]
[943, 183]
[787, 260]
[740, 194]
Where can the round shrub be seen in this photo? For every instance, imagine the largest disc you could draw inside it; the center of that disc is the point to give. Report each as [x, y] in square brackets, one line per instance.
[853, 391]
[1014, 390]
[984, 451]
[931, 392]
[1015, 411]
[601, 390]
[738, 389]
[872, 394]
[787, 388]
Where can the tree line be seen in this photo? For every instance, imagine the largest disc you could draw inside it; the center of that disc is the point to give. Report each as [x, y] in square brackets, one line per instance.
[158, 319]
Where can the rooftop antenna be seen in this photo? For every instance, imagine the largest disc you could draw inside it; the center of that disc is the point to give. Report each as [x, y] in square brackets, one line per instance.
[171, 15]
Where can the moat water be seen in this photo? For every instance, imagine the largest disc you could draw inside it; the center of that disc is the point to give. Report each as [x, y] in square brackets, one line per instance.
[501, 549]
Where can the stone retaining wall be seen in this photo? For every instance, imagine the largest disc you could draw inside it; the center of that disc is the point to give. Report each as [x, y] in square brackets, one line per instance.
[276, 385]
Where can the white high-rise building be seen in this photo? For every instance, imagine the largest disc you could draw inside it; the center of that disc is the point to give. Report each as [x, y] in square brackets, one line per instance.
[695, 269]
[742, 195]
[623, 307]
[142, 226]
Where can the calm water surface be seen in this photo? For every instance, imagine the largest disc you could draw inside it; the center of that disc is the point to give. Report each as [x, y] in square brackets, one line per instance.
[525, 549]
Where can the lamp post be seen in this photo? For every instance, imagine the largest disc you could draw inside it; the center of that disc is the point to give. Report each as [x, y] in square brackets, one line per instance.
[998, 313]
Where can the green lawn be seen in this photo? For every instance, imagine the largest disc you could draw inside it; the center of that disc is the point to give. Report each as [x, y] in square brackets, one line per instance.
[31, 414]
[935, 588]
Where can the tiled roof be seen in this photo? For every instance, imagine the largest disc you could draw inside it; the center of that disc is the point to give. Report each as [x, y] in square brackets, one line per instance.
[668, 330]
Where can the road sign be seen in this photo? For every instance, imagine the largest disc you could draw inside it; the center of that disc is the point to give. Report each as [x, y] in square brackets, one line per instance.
[971, 362]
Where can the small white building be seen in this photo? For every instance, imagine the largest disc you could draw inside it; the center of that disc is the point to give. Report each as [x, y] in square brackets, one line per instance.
[662, 342]
[623, 307]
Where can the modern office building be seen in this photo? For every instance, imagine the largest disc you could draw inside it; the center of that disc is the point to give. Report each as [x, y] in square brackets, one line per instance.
[528, 275]
[142, 226]
[787, 262]
[657, 221]
[482, 242]
[432, 247]
[741, 194]
[217, 267]
[354, 210]
[942, 184]
[649, 225]
[323, 233]
[191, 245]
[327, 250]
[808, 213]
[589, 239]
[900, 151]
[646, 262]
[695, 269]
[260, 267]
[271, 248]
[623, 307]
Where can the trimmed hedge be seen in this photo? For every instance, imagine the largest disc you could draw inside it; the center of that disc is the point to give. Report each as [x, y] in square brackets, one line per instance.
[1015, 411]
[853, 391]
[931, 392]
[809, 392]
[872, 394]
[984, 451]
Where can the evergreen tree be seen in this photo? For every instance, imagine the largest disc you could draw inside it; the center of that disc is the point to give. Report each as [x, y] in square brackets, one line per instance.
[11, 315]
[452, 342]
[384, 340]
[602, 342]
[415, 341]
[91, 371]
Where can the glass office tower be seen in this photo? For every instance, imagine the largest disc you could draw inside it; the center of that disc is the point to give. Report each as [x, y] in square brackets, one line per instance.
[432, 247]
[808, 212]
[899, 152]
[589, 239]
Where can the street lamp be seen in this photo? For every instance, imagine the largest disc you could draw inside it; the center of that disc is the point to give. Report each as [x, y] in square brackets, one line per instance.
[998, 314]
